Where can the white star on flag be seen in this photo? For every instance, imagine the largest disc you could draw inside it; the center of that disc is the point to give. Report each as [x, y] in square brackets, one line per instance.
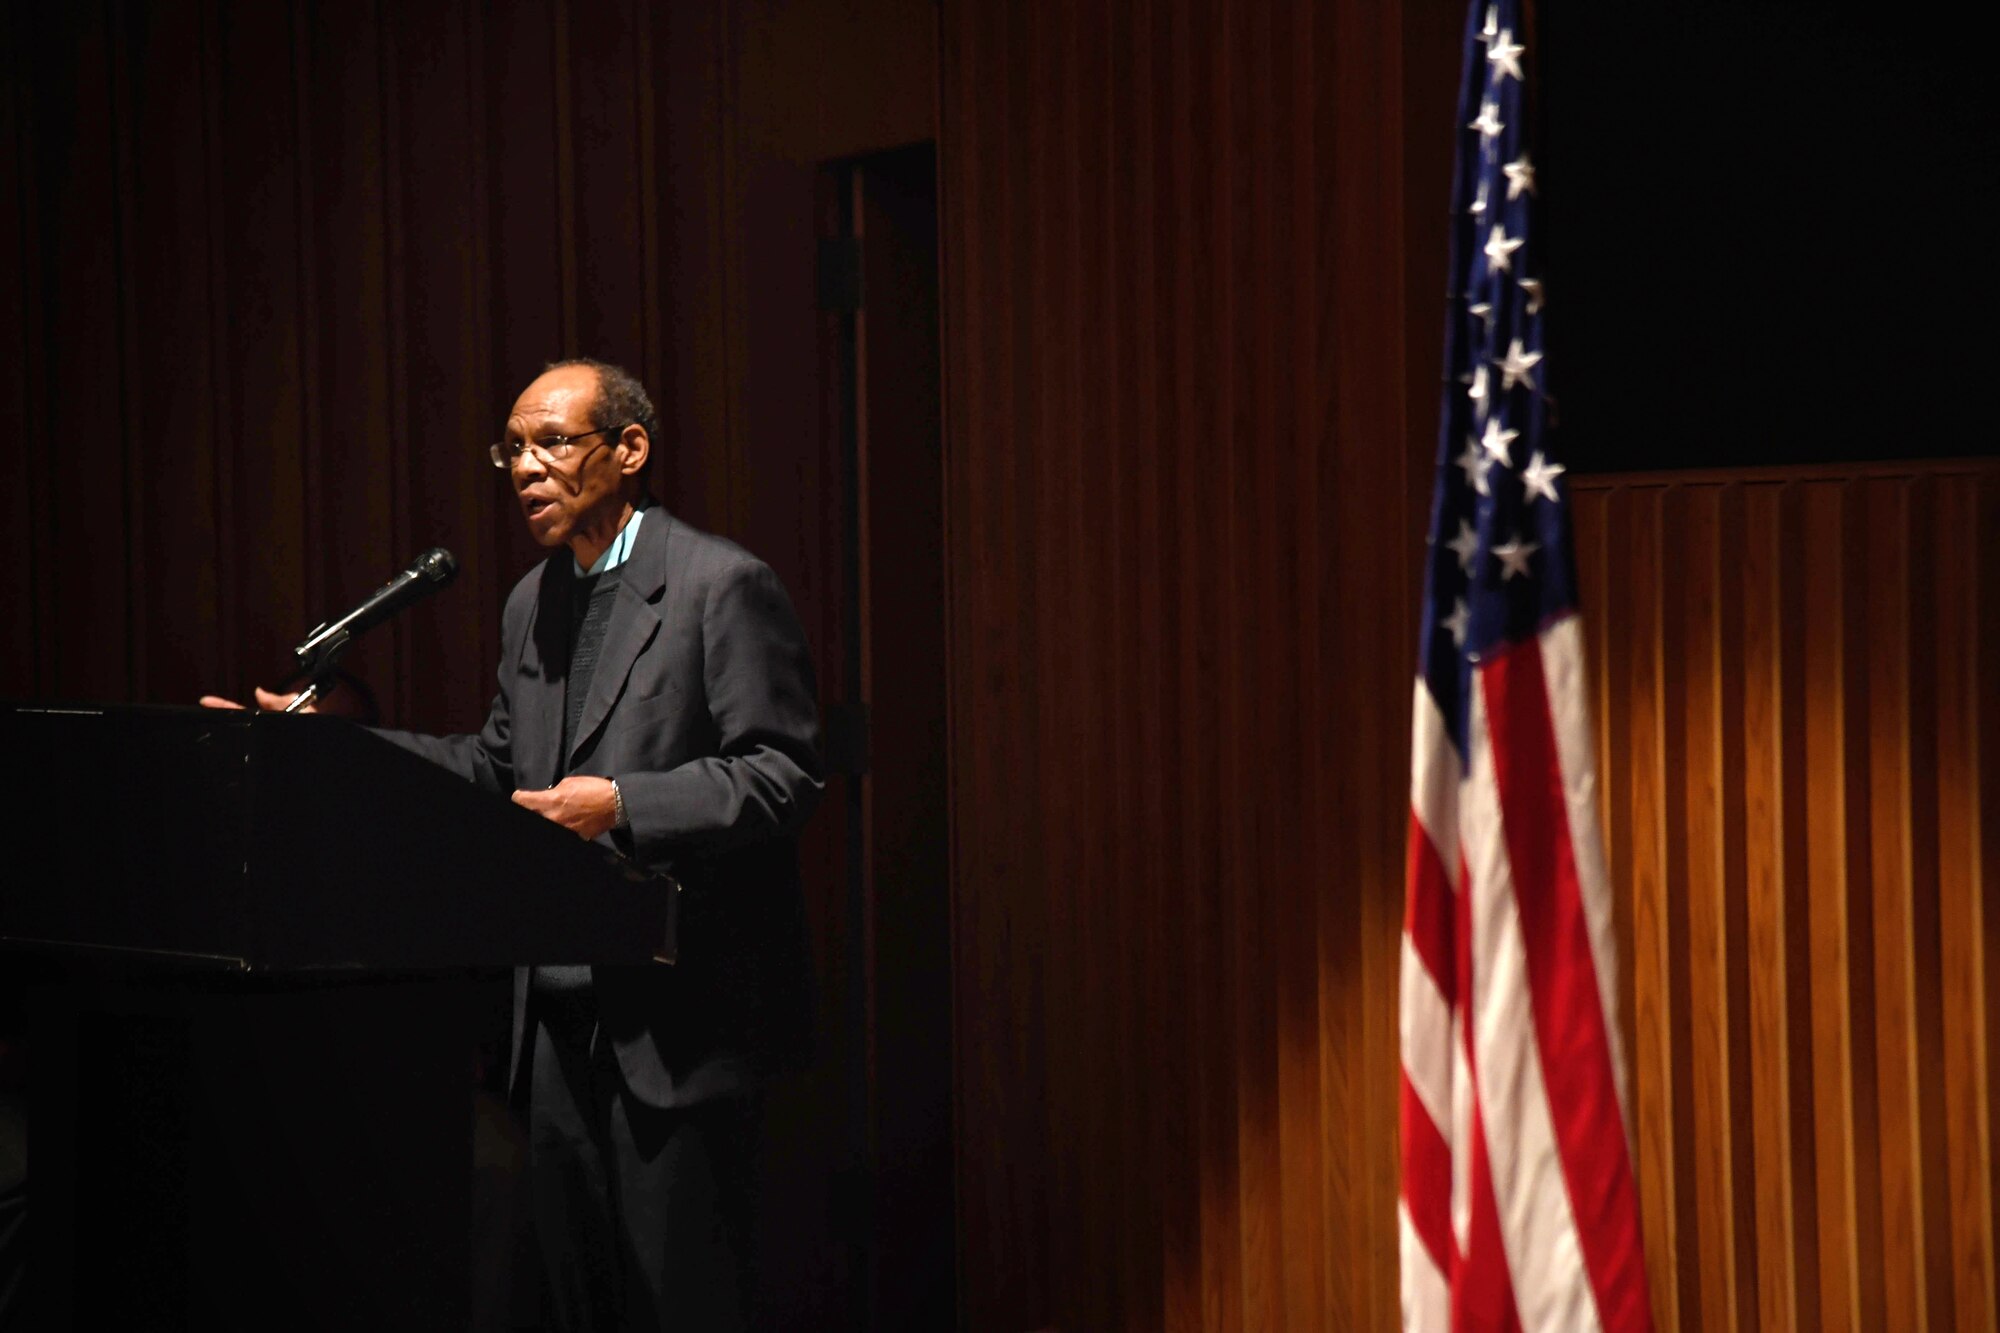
[1496, 441]
[1533, 287]
[1500, 249]
[1515, 367]
[1457, 622]
[1474, 465]
[1513, 556]
[1488, 124]
[1465, 545]
[1520, 175]
[1505, 53]
[1540, 477]
[1477, 393]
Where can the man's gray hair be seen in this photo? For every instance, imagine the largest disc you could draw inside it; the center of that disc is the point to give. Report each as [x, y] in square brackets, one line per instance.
[621, 399]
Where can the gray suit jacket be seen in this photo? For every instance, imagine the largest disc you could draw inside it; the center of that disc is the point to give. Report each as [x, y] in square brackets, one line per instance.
[702, 707]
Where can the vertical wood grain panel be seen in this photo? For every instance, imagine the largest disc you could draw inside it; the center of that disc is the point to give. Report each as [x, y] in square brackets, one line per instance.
[1958, 557]
[1664, 1159]
[1728, 635]
[255, 133]
[1826, 674]
[1884, 509]
[1292, 384]
[1985, 554]
[174, 461]
[1766, 942]
[395, 334]
[133, 506]
[1172, 352]
[361, 539]
[603, 149]
[1863, 1093]
[1162, 1302]
[19, 614]
[1924, 967]
[436, 84]
[76, 357]
[691, 173]
[1795, 571]
[1832, 1033]
[1203, 511]
[1707, 872]
[1122, 163]
[1203, 421]
[1663, 895]
[1759, 698]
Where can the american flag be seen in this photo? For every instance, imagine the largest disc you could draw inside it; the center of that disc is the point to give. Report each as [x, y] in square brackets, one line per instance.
[1518, 1208]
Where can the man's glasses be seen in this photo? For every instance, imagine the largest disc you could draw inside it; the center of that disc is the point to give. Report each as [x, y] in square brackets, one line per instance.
[552, 448]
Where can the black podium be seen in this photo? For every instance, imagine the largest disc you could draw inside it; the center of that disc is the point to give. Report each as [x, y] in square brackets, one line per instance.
[265, 949]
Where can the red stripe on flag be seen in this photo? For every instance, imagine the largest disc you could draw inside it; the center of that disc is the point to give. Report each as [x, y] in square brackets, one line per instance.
[1482, 1291]
[1569, 1020]
[1427, 910]
[1426, 1177]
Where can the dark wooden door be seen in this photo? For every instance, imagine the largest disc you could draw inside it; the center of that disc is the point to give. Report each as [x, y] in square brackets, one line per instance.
[887, 734]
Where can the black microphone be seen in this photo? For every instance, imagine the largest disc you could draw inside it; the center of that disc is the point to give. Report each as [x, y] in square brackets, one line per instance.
[426, 574]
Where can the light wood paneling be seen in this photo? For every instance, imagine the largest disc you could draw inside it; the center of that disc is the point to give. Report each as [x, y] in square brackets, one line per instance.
[1806, 735]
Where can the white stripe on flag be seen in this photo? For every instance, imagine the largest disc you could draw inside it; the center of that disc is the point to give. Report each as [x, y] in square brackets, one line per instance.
[1461, 1136]
[1425, 1022]
[1569, 706]
[1434, 778]
[1537, 1228]
[1426, 1292]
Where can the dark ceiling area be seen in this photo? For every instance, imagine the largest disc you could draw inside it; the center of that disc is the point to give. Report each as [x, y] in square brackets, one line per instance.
[1764, 225]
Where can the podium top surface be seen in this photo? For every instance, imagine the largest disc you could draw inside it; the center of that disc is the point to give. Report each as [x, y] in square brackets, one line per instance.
[257, 840]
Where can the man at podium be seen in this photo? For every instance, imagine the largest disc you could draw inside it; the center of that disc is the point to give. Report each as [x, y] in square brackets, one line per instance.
[655, 692]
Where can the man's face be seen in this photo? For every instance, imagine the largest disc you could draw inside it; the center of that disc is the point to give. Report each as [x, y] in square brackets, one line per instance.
[559, 498]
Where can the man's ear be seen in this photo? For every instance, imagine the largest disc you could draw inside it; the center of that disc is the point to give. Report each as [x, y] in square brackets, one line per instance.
[637, 446]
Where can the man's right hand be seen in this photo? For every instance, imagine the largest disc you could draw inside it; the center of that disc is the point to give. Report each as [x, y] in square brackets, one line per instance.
[266, 700]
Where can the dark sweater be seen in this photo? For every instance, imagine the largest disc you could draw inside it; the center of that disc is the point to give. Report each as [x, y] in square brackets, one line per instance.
[590, 615]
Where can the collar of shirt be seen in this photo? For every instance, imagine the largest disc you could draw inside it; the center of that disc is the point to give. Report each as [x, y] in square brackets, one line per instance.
[618, 552]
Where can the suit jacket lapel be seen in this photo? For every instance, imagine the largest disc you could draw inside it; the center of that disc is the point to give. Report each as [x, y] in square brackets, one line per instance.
[634, 622]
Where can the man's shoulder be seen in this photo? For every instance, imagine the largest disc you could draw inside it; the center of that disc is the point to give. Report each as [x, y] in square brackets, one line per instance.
[703, 554]
[677, 551]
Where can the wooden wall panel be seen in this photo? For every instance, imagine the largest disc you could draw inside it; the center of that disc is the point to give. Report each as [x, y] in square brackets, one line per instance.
[75, 243]
[280, 269]
[20, 614]
[1808, 695]
[1178, 414]
[1184, 481]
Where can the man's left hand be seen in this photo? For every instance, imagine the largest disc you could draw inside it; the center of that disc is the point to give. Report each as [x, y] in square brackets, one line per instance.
[582, 805]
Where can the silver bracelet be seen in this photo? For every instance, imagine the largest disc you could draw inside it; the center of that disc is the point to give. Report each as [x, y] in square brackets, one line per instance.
[618, 818]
